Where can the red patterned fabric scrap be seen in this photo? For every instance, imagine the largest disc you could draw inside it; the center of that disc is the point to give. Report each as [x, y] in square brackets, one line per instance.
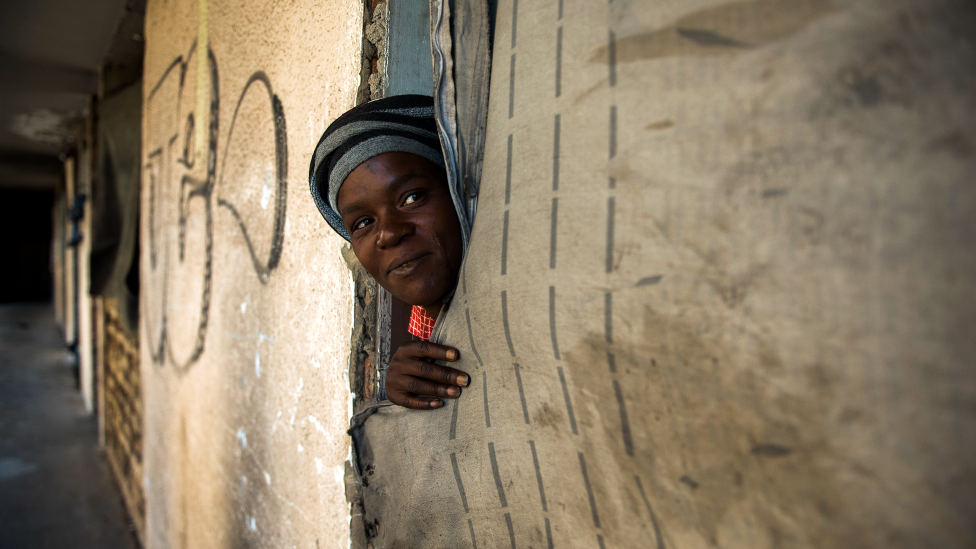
[421, 324]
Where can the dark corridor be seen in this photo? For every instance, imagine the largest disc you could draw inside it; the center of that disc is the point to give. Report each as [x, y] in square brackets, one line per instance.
[25, 247]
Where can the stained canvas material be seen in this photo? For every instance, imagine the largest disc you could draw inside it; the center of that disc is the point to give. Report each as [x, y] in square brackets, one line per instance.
[707, 301]
[115, 199]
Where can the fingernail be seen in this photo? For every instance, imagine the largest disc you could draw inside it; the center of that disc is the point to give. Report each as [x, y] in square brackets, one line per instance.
[436, 404]
[452, 355]
[453, 391]
[463, 380]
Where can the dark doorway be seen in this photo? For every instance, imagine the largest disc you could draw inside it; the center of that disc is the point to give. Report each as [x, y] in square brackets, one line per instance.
[25, 245]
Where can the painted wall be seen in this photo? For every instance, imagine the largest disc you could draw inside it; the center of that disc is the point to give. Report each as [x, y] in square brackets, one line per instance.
[246, 307]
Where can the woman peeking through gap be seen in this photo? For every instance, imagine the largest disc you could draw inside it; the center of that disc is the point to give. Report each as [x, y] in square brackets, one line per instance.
[378, 177]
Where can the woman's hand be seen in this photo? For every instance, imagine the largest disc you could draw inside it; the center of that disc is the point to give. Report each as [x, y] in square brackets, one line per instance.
[413, 378]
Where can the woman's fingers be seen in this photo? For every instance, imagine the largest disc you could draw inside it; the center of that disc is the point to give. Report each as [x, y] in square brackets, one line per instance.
[400, 381]
[415, 402]
[406, 391]
[413, 378]
[435, 372]
[418, 386]
[428, 350]
[413, 358]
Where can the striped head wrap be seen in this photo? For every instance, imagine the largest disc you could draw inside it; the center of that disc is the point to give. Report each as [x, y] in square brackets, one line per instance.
[402, 123]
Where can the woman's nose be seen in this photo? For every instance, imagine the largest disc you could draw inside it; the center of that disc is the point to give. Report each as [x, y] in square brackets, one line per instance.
[392, 230]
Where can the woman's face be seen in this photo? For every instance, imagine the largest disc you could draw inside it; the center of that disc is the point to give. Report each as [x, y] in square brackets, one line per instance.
[404, 228]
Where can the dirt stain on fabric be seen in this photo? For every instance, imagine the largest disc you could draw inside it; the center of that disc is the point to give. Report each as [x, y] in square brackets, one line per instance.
[720, 30]
[660, 125]
[547, 416]
[771, 450]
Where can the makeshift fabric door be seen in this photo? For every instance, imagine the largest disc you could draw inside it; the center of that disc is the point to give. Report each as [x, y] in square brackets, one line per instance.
[719, 290]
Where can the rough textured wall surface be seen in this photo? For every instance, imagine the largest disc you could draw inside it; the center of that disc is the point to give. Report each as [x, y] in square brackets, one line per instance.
[246, 304]
[123, 412]
[720, 290]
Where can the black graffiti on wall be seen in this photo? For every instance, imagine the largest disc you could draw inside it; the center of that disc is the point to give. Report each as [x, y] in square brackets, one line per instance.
[200, 183]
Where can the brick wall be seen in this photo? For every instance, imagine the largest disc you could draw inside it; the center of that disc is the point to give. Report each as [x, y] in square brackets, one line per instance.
[123, 413]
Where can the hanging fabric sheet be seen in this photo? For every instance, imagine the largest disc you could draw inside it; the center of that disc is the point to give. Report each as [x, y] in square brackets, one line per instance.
[690, 307]
[461, 50]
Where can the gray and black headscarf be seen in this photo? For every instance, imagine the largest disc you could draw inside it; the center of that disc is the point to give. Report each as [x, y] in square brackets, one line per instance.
[402, 123]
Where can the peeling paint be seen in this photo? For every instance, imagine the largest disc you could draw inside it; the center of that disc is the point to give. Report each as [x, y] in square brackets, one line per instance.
[318, 425]
[274, 425]
[267, 189]
[259, 336]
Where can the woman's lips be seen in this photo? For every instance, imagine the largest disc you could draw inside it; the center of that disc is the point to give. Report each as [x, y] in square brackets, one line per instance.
[406, 266]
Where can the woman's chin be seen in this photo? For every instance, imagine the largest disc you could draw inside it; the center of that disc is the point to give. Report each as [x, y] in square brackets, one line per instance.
[421, 291]
[421, 299]
[410, 298]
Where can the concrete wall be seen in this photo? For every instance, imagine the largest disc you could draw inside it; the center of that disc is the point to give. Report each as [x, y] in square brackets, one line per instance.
[246, 312]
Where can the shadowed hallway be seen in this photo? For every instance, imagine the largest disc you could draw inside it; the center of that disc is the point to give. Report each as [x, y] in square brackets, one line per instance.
[55, 487]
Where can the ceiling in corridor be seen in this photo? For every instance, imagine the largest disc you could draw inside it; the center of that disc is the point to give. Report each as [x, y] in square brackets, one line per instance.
[50, 54]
